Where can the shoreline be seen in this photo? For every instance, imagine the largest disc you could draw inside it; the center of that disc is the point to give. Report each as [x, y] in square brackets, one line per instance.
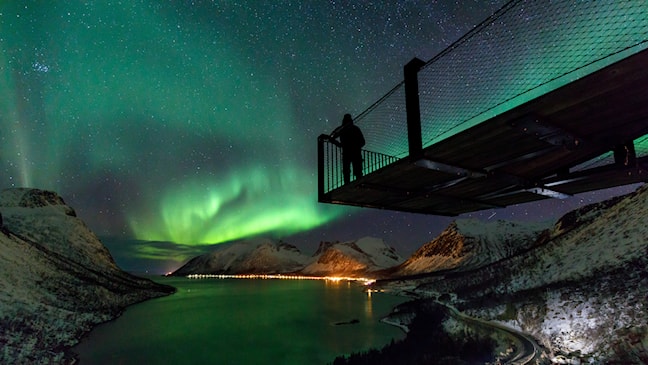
[118, 313]
[410, 297]
[403, 327]
[82, 356]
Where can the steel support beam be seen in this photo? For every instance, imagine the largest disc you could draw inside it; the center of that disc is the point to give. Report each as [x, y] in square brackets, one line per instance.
[412, 106]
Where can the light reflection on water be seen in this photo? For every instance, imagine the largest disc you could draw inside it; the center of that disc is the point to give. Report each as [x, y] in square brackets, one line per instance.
[244, 322]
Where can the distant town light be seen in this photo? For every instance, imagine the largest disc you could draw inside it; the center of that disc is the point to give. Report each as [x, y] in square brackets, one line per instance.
[365, 281]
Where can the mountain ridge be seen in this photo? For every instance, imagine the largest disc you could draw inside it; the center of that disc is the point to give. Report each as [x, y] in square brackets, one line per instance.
[468, 244]
[352, 258]
[577, 288]
[57, 280]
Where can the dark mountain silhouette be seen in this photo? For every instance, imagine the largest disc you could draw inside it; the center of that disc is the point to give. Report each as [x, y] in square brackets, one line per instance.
[56, 279]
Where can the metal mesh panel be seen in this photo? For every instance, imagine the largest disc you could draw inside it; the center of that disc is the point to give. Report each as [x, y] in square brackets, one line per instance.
[525, 50]
[641, 146]
[384, 124]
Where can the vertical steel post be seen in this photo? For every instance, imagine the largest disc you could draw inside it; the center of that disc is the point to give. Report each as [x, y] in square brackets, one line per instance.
[625, 155]
[320, 166]
[412, 105]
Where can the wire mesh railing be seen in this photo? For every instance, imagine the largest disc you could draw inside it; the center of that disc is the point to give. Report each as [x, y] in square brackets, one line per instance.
[384, 124]
[524, 50]
[527, 49]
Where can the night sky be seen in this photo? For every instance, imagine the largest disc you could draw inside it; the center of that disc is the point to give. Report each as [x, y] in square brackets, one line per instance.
[195, 122]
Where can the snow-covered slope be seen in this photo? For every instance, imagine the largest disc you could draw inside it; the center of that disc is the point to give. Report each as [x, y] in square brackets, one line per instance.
[247, 257]
[43, 217]
[580, 289]
[354, 258]
[469, 243]
[56, 279]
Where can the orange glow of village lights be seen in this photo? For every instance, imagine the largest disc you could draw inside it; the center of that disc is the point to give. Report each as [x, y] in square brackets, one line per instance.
[365, 281]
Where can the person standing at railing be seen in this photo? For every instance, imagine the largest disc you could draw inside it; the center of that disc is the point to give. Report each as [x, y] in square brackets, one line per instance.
[351, 141]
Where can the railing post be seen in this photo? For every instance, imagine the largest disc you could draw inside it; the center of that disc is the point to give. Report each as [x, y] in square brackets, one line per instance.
[412, 105]
[625, 155]
[320, 166]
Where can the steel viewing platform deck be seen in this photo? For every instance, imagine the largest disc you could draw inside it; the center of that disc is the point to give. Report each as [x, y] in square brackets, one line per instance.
[525, 154]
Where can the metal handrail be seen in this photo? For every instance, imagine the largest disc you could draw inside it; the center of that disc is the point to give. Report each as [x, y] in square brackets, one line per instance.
[329, 164]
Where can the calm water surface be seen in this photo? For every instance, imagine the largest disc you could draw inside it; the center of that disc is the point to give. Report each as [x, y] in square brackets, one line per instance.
[212, 321]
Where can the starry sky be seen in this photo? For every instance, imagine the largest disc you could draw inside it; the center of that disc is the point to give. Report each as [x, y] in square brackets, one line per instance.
[192, 123]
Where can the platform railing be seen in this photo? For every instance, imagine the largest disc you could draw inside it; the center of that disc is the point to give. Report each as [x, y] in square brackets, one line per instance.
[329, 164]
[525, 49]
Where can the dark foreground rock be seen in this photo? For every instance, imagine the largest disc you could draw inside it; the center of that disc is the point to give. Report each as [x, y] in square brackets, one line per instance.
[429, 342]
[57, 280]
[579, 289]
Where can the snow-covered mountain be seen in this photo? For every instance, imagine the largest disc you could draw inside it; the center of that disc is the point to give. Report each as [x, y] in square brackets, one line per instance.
[355, 258]
[247, 257]
[56, 279]
[579, 288]
[469, 243]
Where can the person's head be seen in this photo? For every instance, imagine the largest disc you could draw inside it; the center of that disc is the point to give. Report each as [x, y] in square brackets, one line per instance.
[347, 119]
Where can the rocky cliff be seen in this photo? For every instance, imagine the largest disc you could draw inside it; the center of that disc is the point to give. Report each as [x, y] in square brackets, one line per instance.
[56, 279]
[579, 289]
[469, 244]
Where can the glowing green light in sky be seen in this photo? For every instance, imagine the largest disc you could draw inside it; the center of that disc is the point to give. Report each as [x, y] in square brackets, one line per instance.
[165, 118]
[247, 203]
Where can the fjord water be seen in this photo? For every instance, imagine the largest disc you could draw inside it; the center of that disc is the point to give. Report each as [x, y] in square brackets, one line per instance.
[235, 321]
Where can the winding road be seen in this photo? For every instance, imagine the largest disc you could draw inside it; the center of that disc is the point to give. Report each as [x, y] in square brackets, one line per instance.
[528, 351]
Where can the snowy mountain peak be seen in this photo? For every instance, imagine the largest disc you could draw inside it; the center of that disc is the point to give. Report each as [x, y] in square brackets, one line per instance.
[247, 257]
[287, 247]
[349, 258]
[33, 198]
[359, 257]
[381, 254]
[584, 215]
[469, 243]
[42, 216]
[323, 246]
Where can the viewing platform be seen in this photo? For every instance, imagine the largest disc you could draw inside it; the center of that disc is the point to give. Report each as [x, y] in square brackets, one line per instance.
[536, 102]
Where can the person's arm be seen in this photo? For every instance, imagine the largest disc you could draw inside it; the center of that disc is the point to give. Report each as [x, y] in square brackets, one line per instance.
[336, 132]
[335, 141]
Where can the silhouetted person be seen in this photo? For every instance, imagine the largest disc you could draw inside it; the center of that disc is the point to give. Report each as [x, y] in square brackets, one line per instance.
[351, 141]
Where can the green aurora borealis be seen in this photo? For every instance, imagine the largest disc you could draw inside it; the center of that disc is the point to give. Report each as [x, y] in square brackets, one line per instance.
[263, 203]
[195, 122]
[175, 113]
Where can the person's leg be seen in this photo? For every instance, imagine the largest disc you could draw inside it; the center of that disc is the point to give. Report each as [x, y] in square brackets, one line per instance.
[346, 169]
